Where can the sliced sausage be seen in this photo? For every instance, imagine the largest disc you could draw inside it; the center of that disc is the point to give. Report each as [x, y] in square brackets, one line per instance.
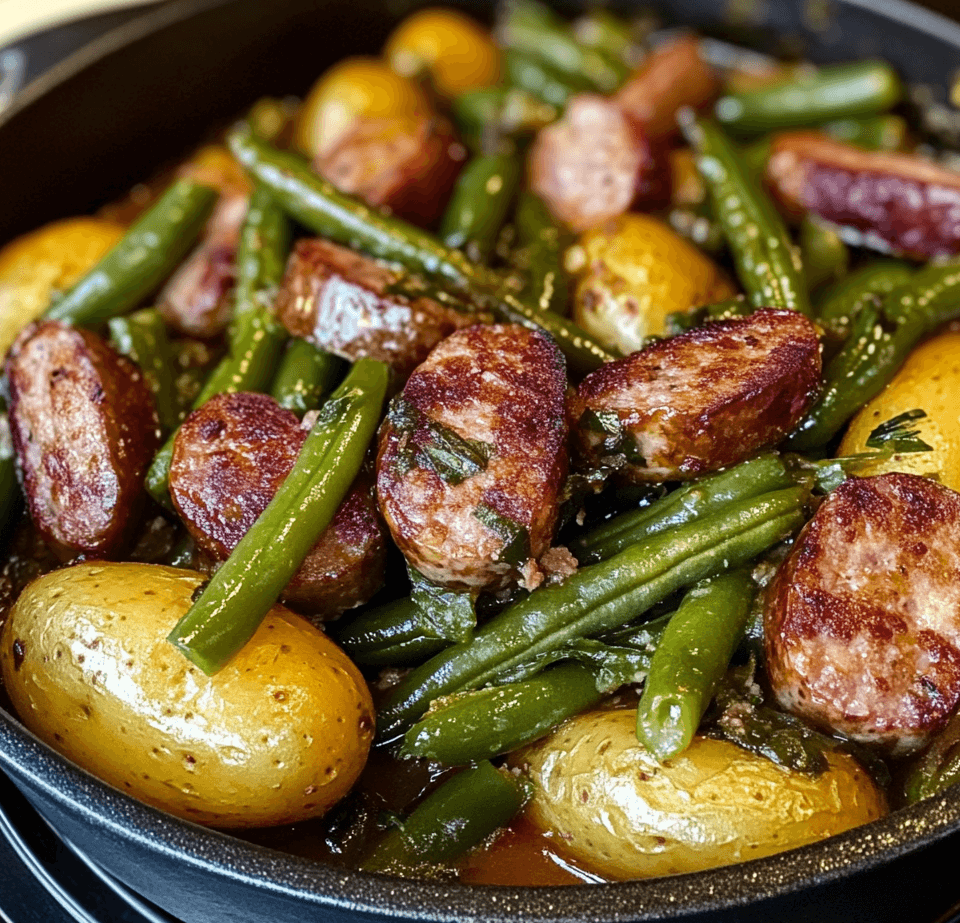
[862, 621]
[348, 304]
[700, 401]
[472, 457]
[672, 77]
[229, 459]
[593, 164]
[890, 201]
[405, 163]
[84, 429]
[196, 300]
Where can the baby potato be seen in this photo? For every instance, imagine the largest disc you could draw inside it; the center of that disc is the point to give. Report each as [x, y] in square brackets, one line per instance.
[215, 166]
[621, 814]
[929, 380]
[457, 53]
[352, 88]
[33, 268]
[279, 735]
[635, 270]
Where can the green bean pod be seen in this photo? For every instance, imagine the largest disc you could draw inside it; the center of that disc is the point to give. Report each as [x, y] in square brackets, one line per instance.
[500, 112]
[459, 815]
[541, 245]
[317, 204]
[480, 204]
[541, 80]
[305, 376]
[845, 299]
[878, 133]
[938, 767]
[702, 499]
[880, 340]
[599, 28]
[244, 588]
[767, 266]
[596, 599]
[148, 253]
[690, 660]
[142, 337]
[842, 91]
[395, 634]
[261, 253]
[824, 255]
[681, 321]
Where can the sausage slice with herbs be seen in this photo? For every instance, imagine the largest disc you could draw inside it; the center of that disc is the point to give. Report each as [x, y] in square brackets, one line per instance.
[84, 430]
[473, 456]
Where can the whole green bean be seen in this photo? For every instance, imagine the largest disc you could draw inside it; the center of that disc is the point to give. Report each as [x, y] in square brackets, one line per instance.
[845, 299]
[824, 255]
[305, 376]
[706, 497]
[879, 133]
[261, 253]
[480, 204]
[142, 337]
[880, 340]
[539, 79]
[938, 767]
[460, 814]
[241, 592]
[140, 260]
[317, 204]
[541, 245]
[840, 91]
[690, 660]
[599, 28]
[767, 266]
[596, 599]
[395, 634]
[490, 114]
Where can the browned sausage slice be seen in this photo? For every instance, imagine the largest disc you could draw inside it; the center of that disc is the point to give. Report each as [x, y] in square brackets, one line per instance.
[473, 456]
[229, 459]
[405, 163]
[84, 429]
[700, 401]
[862, 621]
[347, 304]
[593, 164]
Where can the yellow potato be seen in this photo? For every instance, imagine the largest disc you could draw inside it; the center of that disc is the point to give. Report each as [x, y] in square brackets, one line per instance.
[929, 380]
[635, 271]
[621, 814]
[279, 735]
[457, 53]
[215, 166]
[35, 267]
[353, 88]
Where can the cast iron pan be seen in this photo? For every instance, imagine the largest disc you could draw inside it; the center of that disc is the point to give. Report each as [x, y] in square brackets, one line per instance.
[144, 94]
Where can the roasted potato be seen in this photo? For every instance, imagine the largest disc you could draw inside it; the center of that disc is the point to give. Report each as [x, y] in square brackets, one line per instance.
[633, 272]
[619, 813]
[929, 381]
[279, 735]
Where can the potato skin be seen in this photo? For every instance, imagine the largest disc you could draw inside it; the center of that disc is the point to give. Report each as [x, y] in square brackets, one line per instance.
[930, 380]
[621, 814]
[279, 735]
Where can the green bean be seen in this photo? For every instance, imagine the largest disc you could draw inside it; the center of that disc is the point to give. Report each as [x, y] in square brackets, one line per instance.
[459, 815]
[596, 599]
[702, 499]
[880, 340]
[486, 116]
[395, 634]
[480, 204]
[539, 79]
[533, 29]
[142, 337]
[600, 29]
[681, 321]
[845, 299]
[242, 591]
[690, 660]
[879, 133]
[767, 266]
[141, 259]
[261, 253]
[305, 376]
[541, 245]
[841, 91]
[825, 256]
[317, 204]
[938, 767]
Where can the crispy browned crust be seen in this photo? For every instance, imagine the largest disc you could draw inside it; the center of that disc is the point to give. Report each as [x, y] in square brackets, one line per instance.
[229, 459]
[405, 164]
[501, 385]
[862, 621]
[84, 430]
[700, 401]
[342, 302]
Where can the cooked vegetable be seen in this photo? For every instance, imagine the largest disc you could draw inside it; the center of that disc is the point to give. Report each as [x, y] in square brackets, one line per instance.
[928, 380]
[824, 255]
[485, 117]
[636, 271]
[146, 254]
[622, 814]
[304, 376]
[397, 633]
[879, 133]
[279, 736]
[846, 298]
[540, 255]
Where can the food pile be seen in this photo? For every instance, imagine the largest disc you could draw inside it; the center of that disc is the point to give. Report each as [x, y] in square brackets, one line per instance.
[531, 458]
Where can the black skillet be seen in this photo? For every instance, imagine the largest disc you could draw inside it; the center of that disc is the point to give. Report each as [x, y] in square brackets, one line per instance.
[102, 121]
